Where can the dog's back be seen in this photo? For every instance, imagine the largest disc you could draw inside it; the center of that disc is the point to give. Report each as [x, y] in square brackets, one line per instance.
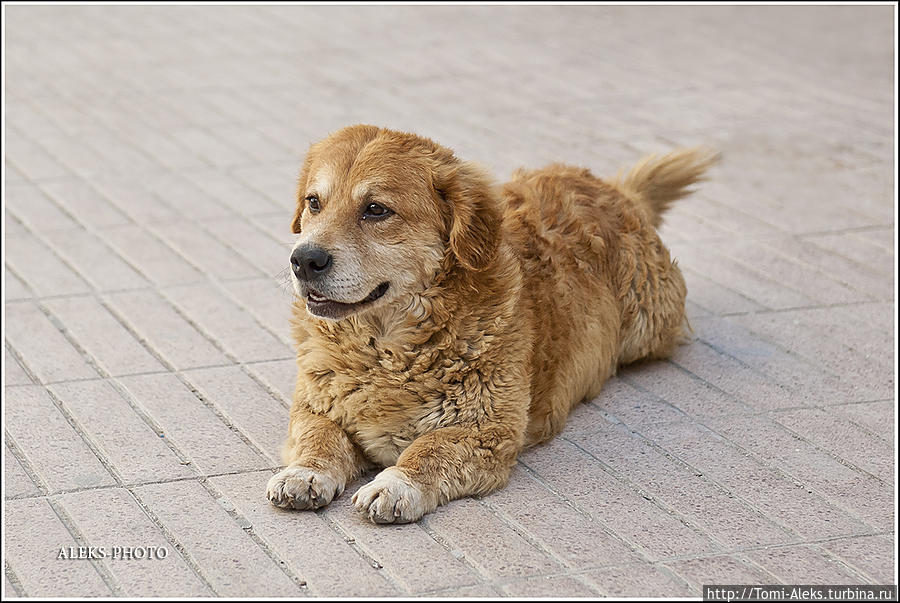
[600, 288]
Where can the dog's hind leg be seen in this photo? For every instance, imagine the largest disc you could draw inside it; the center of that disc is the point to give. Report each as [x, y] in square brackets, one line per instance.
[654, 322]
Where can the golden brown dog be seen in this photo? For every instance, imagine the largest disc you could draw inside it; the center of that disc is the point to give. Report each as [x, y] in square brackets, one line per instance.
[444, 323]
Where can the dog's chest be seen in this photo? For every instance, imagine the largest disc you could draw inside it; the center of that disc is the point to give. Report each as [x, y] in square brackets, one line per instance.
[384, 401]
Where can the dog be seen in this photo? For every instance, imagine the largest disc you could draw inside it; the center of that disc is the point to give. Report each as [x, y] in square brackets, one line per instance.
[444, 323]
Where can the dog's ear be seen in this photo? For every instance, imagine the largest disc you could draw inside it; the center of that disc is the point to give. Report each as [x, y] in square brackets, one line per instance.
[475, 213]
[301, 193]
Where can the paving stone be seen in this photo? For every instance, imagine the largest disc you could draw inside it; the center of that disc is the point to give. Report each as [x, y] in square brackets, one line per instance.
[574, 539]
[45, 272]
[842, 439]
[14, 288]
[550, 586]
[493, 547]
[247, 405]
[156, 260]
[44, 349]
[279, 375]
[780, 498]
[234, 329]
[13, 373]
[816, 470]
[874, 556]
[195, 429]
[405, 551]
[227, 557]
[35, 210]
[98, 332]
[876, 417]
[718, 570]
[131, 446]
[145, 562]
[652, 580]
[164, 330]
[49, 443]
[331, 567]
[94, 260]
[719, 514]
[203, 251]
[15, 480]
[803, 565]
[34, 537]
[633, 518]
[268, 300]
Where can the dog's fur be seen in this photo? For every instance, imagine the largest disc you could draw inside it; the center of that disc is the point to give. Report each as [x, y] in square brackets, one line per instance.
[506, 307]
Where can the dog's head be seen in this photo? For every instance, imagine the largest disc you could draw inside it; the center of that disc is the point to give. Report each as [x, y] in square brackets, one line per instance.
[380, 214]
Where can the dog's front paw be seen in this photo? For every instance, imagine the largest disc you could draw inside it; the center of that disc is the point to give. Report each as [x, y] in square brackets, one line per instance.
[391, 498]
[302, 488]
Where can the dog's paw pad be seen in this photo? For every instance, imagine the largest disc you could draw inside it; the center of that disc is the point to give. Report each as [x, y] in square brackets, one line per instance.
[302, 488]
[390, 498]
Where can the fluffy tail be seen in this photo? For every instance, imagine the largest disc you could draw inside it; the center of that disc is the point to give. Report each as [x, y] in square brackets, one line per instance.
[658, 181]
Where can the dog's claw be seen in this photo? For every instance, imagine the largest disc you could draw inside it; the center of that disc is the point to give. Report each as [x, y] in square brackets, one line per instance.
[390, 498]
[301, 488]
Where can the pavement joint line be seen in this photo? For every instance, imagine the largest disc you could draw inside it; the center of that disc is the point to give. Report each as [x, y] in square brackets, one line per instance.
[748, 409]
[81, 540]
[198, 327]
[29, 372]
[642, 553]
[145, 373]
[475, 568]
[864, 577]
[242, 522]
[13, 579]
[361, 550]
[873, 302]
[73, 341]
[651, 497]
[93, 446]
[35, 477]
[830, 453]
[535, 541]
[661, 562]
[150, 422]
[671, 456]
[817, 269]
[790, 478]
[848, 230]
[110, 307]
[171, 539]
[287, 340]
[247, 370]
[808, 362]
[222, 416]
[140, 484]
[785, 476]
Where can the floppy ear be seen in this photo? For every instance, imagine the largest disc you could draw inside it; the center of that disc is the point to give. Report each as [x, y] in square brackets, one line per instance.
[475, 213]
[301, 194]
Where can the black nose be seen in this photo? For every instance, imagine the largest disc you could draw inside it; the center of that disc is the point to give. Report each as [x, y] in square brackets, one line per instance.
[308, 262]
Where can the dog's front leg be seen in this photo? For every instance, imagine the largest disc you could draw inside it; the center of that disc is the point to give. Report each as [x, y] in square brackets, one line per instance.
[437, 467]
[320, 460]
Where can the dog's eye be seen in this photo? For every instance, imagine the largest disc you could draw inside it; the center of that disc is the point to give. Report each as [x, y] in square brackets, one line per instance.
[313, 202]
[373, 210]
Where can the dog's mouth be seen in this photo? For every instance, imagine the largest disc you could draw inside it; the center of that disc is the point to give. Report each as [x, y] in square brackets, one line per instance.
[328, 308]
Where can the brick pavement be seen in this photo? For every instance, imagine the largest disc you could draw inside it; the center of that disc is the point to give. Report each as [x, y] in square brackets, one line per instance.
[151, 155]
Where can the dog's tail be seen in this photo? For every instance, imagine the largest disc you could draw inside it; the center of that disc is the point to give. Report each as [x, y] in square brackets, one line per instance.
[660, 180]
